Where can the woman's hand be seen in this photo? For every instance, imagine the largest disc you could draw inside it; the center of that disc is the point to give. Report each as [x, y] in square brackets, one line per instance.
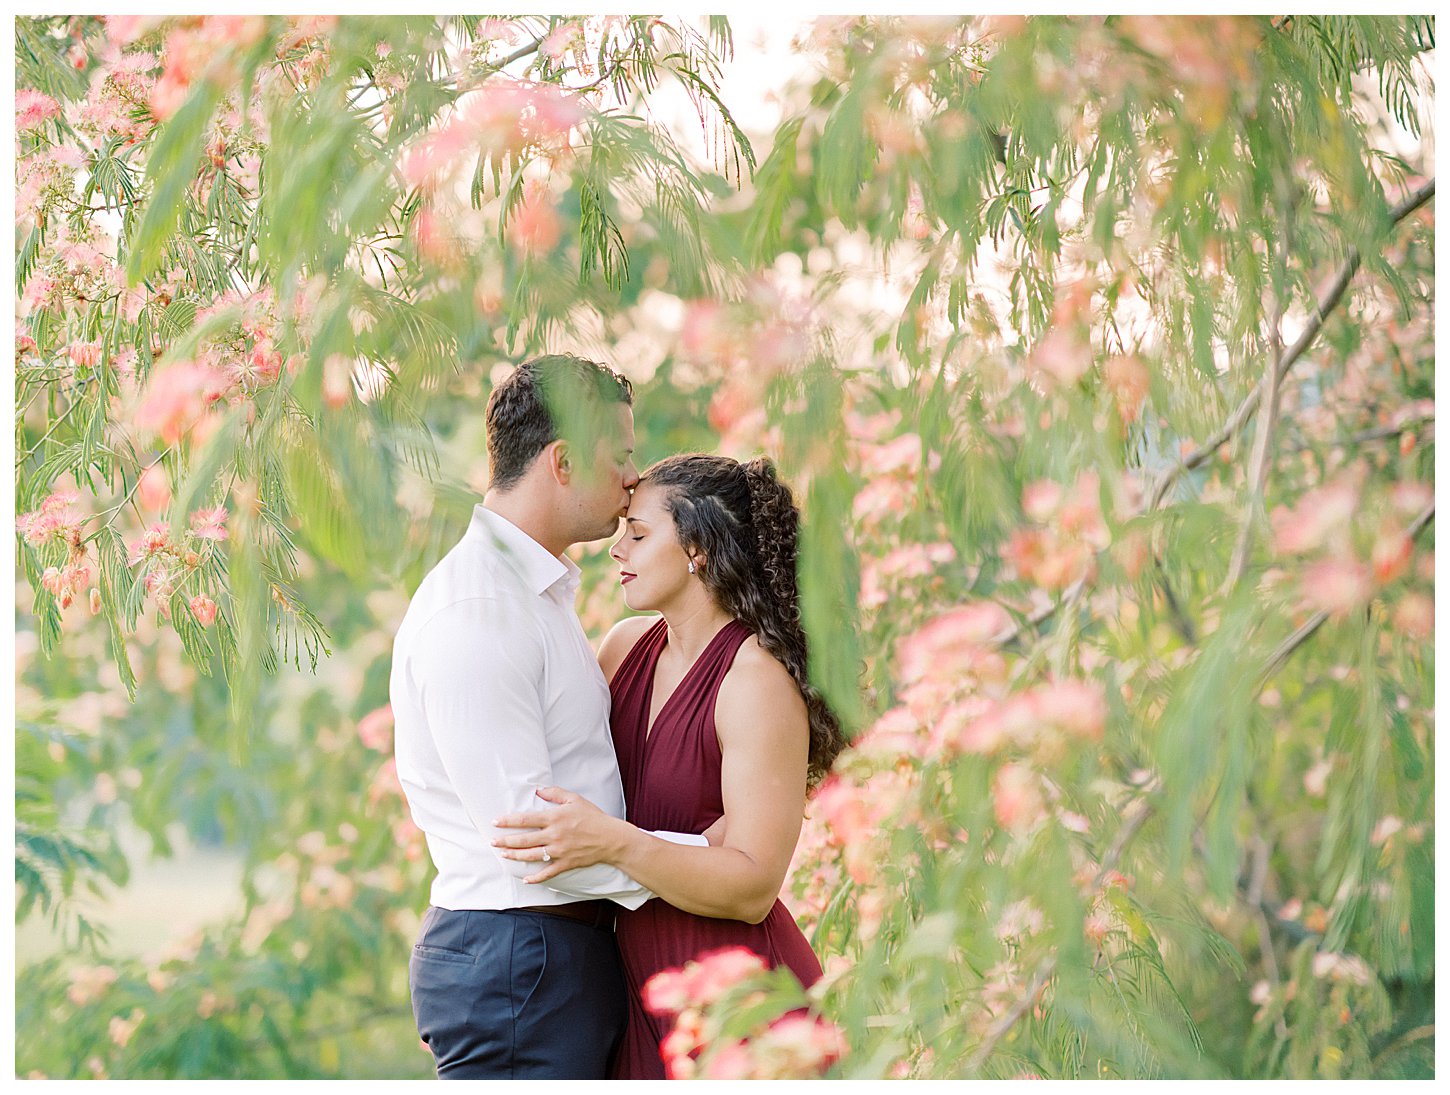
[574, 834]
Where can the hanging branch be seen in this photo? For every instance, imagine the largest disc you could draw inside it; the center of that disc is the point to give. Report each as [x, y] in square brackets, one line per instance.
[1268, 403]
[1323, 308]
[1236, 421]
[1378, 433]
[1136, 817]
[1315, 622]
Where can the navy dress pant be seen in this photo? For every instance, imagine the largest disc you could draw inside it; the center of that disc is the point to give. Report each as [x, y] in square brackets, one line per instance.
[517, 995]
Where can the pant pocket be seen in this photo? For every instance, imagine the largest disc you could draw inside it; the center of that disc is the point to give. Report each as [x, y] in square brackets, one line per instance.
[426, 953]
[530, 960]
[440, 984]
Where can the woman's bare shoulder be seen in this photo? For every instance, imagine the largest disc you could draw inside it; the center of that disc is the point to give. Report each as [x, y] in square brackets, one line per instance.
[758, 681]
[622, 636]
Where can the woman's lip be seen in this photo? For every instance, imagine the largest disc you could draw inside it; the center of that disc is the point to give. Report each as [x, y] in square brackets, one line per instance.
[625, 577]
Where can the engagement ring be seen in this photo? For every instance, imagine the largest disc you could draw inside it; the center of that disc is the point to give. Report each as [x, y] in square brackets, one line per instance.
[547, 857]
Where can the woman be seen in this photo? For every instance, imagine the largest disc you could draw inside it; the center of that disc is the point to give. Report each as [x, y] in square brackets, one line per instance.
[712, 716]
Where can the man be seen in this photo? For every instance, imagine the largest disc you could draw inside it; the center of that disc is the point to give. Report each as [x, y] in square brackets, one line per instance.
[496, 693]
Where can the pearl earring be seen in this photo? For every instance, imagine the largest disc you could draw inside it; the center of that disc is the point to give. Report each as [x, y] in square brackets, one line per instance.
[692, 566]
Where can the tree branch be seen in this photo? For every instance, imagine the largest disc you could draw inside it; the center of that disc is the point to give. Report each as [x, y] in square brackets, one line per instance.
[1323, 308]
[1179, 616]
[1136, 817]
[1315, 622]
[1268, 403]
[1378, 433]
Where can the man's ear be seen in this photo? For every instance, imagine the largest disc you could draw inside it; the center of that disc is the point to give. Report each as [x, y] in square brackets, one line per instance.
[556, 456]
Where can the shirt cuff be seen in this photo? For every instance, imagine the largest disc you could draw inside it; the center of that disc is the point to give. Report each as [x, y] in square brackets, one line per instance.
[695, 840]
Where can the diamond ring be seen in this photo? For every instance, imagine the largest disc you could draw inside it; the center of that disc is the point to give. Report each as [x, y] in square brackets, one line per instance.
[547, 858]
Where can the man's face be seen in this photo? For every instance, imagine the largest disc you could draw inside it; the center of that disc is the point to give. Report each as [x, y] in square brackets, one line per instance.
[602, 487]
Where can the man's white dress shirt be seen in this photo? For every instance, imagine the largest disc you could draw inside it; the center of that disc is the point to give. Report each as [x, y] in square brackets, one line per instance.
[496, 693]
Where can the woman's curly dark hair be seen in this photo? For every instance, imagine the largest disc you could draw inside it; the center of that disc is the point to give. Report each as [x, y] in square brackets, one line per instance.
[746, 523]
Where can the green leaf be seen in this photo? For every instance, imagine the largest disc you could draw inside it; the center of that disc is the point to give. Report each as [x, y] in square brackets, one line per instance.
[170, 168]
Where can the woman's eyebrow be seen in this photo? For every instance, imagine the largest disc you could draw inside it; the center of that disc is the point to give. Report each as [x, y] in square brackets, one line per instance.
[635, 521]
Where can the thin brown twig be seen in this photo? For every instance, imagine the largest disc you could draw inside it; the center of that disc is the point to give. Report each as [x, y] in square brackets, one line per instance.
[1302, 634]
[1137, 816]
[1378, 433]
[1267, 410]
[1323, 308]
[1245, 410]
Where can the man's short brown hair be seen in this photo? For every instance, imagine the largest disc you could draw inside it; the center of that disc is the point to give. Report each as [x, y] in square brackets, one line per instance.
[544, 399]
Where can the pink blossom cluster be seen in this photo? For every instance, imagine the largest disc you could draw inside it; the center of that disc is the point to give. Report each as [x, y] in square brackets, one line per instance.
[534, 227]
[1103, 921]
[858, 817]
[956, 647]
[123, 30]
[792, 1046]
[306, 31]
[1064, 354]
[1018, 800]
[899, 571]
[567, 37]
[701, 982]
[1040, 721]
[1127, 377]
[44, 180]
[119, 101]
[1344, 568]
[89, 983]
[797, 1046]
[1070, 531]
[747, 344]
[168, 561]
[201, 47]
[72, 271]
[57, 520]
[68, 582]
[231, 366]
[890, 462]
[1003, 987]
[1207, 60]
[499, 117]
[897, 739]
[375, 729]
[33, 109]
[178, 399]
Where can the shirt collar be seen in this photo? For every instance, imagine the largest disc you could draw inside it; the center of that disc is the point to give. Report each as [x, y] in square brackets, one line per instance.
[528, 558]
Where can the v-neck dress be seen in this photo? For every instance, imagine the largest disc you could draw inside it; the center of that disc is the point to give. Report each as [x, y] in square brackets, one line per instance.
[672, 782]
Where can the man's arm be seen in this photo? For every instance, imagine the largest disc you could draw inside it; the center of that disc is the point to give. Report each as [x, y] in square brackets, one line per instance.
[478, 664]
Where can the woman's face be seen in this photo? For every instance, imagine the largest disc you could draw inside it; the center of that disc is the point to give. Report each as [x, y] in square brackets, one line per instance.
[654, 568]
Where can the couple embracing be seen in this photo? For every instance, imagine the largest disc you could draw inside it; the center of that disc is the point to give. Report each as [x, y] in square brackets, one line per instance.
[593, 822]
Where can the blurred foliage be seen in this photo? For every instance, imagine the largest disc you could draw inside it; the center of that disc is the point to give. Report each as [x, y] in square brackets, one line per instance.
[1101, 353]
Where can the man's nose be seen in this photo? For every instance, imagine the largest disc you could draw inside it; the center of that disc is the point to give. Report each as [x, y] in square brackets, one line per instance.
[631, 477]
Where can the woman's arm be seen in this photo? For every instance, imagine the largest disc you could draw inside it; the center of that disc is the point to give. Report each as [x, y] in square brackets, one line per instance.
[760, 719]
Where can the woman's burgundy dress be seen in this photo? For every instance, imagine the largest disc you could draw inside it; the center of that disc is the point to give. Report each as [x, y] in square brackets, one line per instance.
[672, 782]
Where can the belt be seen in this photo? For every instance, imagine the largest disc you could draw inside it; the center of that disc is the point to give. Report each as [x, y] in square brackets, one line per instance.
[597, 913]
